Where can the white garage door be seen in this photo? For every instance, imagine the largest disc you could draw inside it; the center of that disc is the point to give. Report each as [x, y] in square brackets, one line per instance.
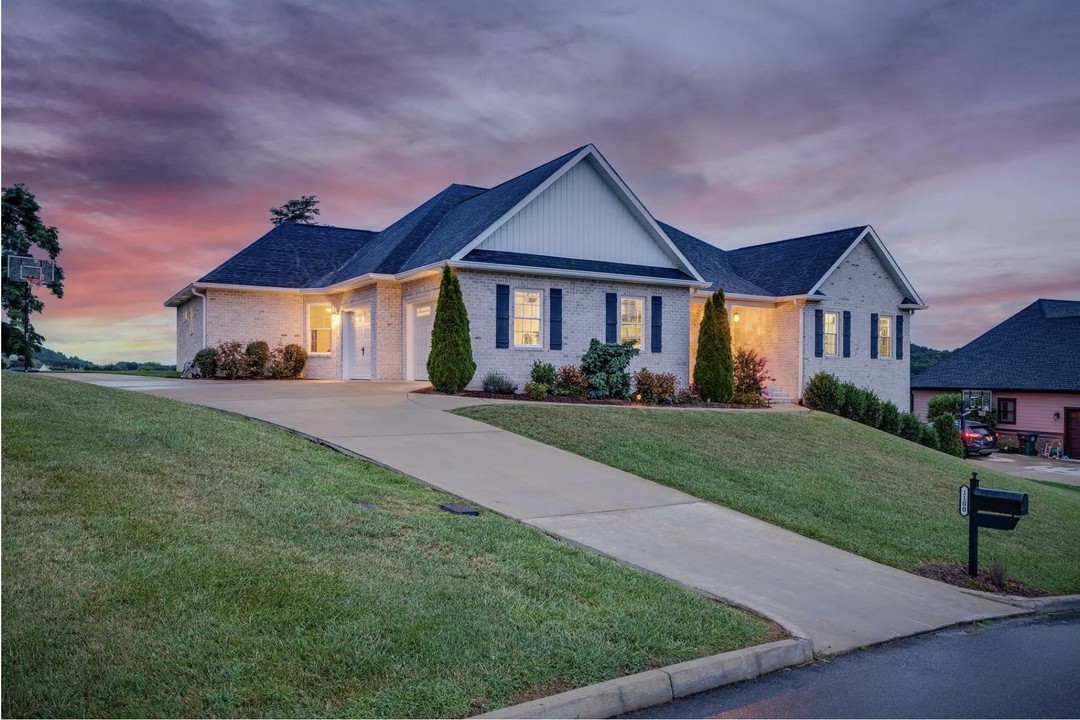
[423, 321]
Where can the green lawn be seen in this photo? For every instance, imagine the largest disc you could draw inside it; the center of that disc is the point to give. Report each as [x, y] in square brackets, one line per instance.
[822, 476]
[140, 372]
[167, 560]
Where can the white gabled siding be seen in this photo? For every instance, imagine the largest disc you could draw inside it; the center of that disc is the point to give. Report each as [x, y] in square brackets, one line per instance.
[579, 216]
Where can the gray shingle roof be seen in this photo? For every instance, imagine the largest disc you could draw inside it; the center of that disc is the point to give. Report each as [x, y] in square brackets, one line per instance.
[290, 256]
[1038, 348]
[500, 257]
[314, 256]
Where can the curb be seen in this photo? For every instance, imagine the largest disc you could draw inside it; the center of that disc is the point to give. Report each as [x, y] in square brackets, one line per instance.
[656, 687]
[1056, 603]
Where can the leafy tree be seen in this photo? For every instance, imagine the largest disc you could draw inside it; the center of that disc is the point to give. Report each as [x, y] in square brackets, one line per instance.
[302, 211]
[22, 231]
[450, 364]
[923, 358]
[714, 369]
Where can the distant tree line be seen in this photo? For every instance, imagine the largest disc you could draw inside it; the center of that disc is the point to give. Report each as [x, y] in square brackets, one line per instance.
[923, 358]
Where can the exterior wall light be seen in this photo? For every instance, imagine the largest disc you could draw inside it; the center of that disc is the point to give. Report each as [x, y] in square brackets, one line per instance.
[735, 317]
[1057, 416]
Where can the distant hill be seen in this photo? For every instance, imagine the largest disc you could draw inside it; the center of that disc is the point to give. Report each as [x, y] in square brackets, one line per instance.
[59, 360]
[923, 358]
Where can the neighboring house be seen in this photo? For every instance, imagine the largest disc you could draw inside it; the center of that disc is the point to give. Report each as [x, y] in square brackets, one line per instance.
[1030, 364]
[547, 261]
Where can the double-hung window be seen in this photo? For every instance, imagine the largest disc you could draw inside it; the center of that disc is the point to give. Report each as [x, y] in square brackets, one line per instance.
[884, 337]
[320, 318]
[528, 312]
[631, 314]
[1006, 414]
[830, 333]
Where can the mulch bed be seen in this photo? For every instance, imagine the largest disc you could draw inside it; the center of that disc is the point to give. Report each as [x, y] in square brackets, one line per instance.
[578, 401]
[957, 574]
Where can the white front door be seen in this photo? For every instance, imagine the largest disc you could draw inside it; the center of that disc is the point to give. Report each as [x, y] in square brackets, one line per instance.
[358, 339]
[423, 319]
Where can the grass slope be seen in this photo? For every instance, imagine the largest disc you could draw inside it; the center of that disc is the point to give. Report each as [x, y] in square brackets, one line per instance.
[822, 476]
[167, 560]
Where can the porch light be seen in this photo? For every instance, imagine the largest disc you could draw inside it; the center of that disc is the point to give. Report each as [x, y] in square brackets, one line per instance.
[1057, 416]
[735, 317]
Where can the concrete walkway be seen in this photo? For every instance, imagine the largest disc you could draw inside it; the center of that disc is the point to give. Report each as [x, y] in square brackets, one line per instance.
[840, 600]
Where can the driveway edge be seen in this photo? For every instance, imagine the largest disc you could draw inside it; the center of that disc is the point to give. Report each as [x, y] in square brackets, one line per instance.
[656, 687]
[1052, 604]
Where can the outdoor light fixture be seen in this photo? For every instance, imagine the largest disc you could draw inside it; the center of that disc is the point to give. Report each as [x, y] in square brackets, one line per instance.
[1057, 416]
[735, 317]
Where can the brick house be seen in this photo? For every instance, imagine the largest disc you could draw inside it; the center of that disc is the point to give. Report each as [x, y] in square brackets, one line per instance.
[547, 261]
[1029, 365]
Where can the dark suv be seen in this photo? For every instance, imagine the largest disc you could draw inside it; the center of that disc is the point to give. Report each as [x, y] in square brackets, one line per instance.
[978, 439]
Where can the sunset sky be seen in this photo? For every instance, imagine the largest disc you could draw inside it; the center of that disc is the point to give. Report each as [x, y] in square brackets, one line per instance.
[157, 135]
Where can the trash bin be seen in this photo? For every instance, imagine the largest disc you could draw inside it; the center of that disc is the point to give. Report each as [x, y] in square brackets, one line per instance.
[1027, 443]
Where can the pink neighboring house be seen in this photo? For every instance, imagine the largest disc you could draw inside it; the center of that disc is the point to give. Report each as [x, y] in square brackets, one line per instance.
[1031, 365]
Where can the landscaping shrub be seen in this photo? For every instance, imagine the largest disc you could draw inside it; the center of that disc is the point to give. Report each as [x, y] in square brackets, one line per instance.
[889, 420]
[851, 401]
[257, 354]
[690, 395]
[750, 378]
[295, 359]
[570, 381]
[948, 436]
[495, 382]
[543, 373]
[871, 409]
[230, 359]
[206, 361]
[909, 427]
[824, 393]
[450, 363]
[537, 391]
[275, 364]
[604, 366]
[928, 437]
[653, 388]
[714, 368]
[943, 405]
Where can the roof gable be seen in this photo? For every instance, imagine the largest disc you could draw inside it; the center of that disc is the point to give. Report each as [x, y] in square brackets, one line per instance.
[713, 264]
[796, 266]
[1035, 349]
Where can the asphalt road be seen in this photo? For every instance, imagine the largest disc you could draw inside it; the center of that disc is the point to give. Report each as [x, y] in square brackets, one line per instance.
[1023, 667]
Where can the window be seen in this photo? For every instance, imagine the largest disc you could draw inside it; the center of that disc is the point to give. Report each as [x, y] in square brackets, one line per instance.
[319, 321]
[630, 316]
[830, 333]
[527, 309]
[884, 337]
[1006, 414]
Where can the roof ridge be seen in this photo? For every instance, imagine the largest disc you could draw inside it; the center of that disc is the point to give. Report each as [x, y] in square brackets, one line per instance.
[801, 237]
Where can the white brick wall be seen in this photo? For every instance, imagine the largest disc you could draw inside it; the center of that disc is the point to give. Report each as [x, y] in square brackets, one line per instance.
[774, 334]
[276, 318]
[188, 331]
[584, 318]
[861, 285]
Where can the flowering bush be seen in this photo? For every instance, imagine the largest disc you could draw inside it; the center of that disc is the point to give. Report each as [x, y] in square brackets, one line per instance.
[498, 384]
[690, 395]
[570, 381]
[231, 360]
[653, 388]
[256, 354]
[750, 378]
[295, 358]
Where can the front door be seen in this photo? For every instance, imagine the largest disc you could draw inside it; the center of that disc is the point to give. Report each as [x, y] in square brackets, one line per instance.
[423, 319]
[359, 344]
[1072, 432]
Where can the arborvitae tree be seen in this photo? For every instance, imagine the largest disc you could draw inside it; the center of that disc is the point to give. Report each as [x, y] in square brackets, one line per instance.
[714, 369]
[450, 363]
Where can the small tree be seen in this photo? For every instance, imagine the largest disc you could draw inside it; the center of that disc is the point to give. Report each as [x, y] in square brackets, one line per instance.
[948, 436]
[714, 368]
[450, 364]
[302, 211]
[824, 393]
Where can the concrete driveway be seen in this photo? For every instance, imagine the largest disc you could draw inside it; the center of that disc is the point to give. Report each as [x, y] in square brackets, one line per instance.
[840, 600]
[1066, 472]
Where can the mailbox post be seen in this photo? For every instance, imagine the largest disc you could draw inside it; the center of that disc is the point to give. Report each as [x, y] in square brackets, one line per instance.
[984, 507]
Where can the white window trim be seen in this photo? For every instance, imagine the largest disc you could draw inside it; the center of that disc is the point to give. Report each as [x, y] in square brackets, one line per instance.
[513, 318]
[885, 355]
[307, 330]
[825, 335]
[621, 323]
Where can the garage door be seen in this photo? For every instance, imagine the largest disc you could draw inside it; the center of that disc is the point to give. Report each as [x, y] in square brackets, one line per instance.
[423, 321]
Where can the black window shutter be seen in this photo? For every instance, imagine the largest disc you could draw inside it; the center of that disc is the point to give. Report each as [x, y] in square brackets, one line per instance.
[502, 316]
[847, 334]
[612, 318]
[873, 335]
[819, 333]
[555, 330]
[657, 323]
[899, 337]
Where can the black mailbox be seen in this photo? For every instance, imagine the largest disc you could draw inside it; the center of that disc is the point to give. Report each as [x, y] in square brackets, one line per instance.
[1002, 502]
